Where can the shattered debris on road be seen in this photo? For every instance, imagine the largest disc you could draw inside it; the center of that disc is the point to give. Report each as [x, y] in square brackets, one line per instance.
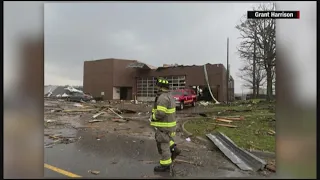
[65, 122]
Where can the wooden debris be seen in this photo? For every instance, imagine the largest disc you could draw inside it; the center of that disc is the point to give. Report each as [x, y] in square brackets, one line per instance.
[233, 118]
[224, 120]
[225, 125]
[115, 113]
[56, 136]
[93, 121]
[97, 115]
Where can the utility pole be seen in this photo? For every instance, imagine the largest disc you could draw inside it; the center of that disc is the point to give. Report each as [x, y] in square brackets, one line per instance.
[227, 70]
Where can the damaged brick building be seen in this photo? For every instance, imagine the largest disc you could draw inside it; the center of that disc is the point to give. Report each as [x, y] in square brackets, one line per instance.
[131, 79]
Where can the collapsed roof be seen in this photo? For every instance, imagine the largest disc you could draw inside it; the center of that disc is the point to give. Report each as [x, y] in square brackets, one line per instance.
[140, 65]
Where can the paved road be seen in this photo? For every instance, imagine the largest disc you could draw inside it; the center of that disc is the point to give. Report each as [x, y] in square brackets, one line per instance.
[120, 157]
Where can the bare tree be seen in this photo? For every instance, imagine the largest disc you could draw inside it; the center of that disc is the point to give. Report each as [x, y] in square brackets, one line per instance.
[252, 72]
[261, 33]
[267, 46]
[247, 73]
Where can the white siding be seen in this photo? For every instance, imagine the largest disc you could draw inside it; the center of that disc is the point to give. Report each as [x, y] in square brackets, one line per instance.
[116, 93]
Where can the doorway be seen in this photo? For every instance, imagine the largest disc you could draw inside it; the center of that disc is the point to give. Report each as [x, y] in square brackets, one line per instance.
[125, 93]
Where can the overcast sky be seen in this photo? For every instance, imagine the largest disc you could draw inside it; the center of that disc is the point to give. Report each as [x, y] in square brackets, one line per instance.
[154, 33]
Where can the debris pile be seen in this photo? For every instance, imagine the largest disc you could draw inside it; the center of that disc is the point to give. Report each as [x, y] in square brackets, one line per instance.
[63, 117]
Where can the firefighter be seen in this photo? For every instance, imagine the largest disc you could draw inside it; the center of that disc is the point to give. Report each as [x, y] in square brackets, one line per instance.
[164, 120]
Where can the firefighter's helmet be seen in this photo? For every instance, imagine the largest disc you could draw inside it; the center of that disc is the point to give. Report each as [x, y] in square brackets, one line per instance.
[161, 82]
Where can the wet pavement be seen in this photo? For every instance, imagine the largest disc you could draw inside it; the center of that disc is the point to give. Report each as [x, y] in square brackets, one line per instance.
[73, 144]
[124, 157]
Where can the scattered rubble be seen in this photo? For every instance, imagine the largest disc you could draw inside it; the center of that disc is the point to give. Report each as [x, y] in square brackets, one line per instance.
[78, 105]
[204, 103]
[271, 166]
[50, 121]
[118, 117]
[94, 172]
[115, 113]
[271, 132]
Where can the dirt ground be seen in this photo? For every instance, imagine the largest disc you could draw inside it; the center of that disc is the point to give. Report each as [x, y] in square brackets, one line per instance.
[69, 124]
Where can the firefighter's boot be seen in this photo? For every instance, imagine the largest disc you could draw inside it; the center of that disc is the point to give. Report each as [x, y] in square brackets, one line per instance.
[174, 152]
[161, 168]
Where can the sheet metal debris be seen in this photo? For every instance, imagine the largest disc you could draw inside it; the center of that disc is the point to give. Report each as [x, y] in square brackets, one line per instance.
[243, 159]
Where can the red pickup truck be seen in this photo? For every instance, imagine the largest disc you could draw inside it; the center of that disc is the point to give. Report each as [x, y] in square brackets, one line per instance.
[184, 97]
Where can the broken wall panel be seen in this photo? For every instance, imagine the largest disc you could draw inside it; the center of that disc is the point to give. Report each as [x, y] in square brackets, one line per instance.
[242, 158]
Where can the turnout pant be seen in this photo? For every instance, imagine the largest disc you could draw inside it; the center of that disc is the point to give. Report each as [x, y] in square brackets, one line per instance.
[165, 142]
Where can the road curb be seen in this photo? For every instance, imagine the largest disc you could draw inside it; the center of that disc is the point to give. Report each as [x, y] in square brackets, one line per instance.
[190, 134]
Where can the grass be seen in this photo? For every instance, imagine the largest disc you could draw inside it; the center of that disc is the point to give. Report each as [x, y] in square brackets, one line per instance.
[251, 133]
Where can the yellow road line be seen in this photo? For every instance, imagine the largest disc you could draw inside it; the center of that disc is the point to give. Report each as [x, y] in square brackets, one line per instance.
[61, 171]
